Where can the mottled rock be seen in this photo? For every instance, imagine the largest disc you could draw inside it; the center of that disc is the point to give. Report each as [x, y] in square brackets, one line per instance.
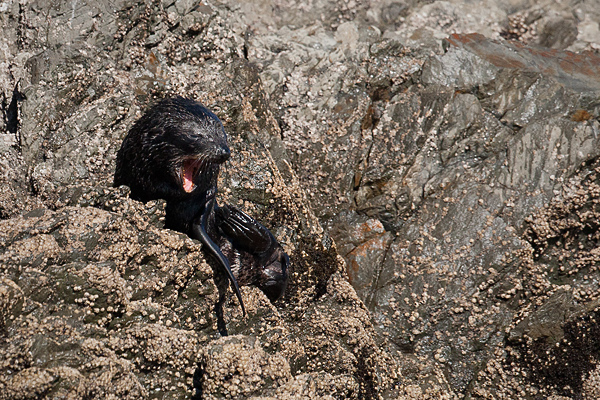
[237, 366]
[455, 173]
[576, 71]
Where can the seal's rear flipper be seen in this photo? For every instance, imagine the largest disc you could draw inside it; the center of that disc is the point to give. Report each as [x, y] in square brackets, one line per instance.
[243, 231]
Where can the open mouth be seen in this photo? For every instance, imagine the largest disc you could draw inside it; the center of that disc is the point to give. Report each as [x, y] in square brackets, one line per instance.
[188, 172]
[205, 164]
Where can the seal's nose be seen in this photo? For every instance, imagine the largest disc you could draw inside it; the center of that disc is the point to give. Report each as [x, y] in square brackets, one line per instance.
[222, 154]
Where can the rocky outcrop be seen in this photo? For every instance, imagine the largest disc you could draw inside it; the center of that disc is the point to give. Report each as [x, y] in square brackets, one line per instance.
[436, 191]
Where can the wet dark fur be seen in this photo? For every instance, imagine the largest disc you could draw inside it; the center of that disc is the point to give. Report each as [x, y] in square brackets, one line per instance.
[150, 161]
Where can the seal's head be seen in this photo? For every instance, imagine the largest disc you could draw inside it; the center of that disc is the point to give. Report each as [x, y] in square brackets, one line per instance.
[172, 152]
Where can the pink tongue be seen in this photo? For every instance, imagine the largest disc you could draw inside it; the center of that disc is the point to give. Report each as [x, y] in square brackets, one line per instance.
[188, 184]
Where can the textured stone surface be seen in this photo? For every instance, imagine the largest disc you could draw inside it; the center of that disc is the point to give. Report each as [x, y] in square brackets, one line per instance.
[437, 191]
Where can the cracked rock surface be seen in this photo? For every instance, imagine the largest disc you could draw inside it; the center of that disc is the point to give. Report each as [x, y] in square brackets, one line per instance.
[431, 168]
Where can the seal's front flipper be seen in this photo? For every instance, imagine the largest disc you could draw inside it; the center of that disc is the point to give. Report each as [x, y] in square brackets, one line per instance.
[199, 230]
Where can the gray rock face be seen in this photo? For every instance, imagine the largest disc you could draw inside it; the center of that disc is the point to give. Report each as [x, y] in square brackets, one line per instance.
[437, 191]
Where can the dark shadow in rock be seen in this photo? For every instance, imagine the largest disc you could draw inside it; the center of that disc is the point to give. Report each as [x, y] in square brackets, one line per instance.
[546, 362]
[197, 383]
[11, 112]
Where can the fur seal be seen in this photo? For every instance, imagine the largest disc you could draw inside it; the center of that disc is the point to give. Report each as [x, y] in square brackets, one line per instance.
[174, 152]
